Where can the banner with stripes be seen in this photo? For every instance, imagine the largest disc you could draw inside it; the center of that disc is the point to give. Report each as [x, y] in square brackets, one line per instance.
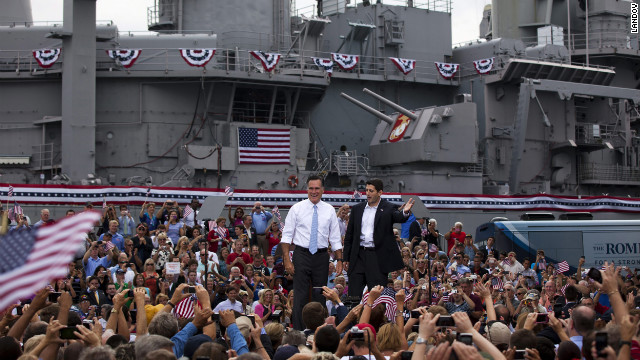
[79, 195]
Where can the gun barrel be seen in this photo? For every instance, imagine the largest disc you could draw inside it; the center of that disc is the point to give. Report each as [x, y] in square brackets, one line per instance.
[368, 108]
[391, 104]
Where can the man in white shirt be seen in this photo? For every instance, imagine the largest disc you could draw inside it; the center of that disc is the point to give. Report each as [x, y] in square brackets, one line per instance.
[311, 225]
[231, 303]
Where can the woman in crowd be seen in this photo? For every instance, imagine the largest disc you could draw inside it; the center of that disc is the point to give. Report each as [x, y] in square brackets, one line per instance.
[108, 215]
[102, 274]
[421, 270]
[163, 253]
[273, 236]
[139, 281]
[151, 277]
[175, 229]
[219, 237]
[407, 259]
[236, 218]
[182, 247]
[265, 307]
[64, 285]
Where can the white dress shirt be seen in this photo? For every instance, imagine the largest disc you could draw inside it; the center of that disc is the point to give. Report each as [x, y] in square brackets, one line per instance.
[366, 228]
[297, 226]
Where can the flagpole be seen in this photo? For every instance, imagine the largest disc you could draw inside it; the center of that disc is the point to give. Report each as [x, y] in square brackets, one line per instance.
[5, 218]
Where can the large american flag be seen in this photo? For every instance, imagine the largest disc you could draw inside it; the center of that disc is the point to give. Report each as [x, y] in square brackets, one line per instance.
[387, 297]
[30, 259]
[264, 146]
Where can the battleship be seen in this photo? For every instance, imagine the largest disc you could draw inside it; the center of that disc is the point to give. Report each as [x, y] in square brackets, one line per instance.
[540, 112]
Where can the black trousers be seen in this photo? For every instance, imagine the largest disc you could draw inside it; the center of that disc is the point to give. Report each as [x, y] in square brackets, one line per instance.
[310, 271]
[366, 272]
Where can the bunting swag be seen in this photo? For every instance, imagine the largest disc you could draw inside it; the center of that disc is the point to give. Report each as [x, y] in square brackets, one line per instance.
[324, 63]
[404, 65]
[447, 70]
[125, 57]
[46, 57]
[346, 62]
[269, 60]
[197, 57]
[30, 195]
[483, 66]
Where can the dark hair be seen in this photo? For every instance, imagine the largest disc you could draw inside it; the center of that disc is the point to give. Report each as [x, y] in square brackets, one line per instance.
[376, 183]
[568, 350]
[523, 339]
[9, 348]
[571, 293]
[313, 315]
[327, 339]
[116, 340]
[315, 177]
[546, 348]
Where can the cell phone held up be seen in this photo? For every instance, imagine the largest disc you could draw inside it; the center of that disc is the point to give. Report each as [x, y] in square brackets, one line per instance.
[445, 321]
[602, 341]
[465, 338]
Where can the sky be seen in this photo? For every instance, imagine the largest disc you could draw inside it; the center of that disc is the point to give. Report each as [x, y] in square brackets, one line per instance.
[131, 15]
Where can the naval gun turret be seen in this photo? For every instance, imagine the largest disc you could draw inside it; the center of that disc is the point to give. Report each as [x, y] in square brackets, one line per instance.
[447, 135]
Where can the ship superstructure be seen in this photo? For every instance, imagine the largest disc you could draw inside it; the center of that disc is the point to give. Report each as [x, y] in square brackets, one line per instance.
[536, 105]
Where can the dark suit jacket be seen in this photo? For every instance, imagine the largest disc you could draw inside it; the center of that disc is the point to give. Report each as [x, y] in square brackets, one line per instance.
[101, 295]
[415, 230]
[253, 240]
[389, 257]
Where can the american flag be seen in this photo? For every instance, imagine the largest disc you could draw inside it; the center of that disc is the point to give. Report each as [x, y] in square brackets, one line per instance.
[108, 245]
[454, 277]
[356, 194]
[10, 191]
[506, 262]
[409, 295]
[148, 192]
[497, 283]
[542, 265]
[433, 248]
[563, 289]
[184, 309]
[228, 190]
[388, 297]
[104, 202]
[276, 212]
[212, 225]
[17, 210]
[264, 146]
[30, 259]
[187, 211]
[563, 266]
[445, 297]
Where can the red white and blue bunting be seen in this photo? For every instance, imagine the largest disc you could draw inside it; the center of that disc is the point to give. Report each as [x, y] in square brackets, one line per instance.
[79, 195]
[324, 63]
[483, 66]
[346, 62]
[268, 60]
[124, 57]
[197, 57]
[46, 57]
[447, 70]
[404, 65]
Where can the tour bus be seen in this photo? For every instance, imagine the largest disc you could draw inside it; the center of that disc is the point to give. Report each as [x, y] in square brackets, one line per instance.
[598, 241]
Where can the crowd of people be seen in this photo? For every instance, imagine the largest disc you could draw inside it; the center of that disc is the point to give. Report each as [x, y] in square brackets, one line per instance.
[165, 284]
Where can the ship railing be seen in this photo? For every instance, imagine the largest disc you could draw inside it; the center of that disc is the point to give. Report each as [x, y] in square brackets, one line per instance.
[349, 163]
[338, 6]
[233, 60]
[597, 40]
[608, 172]
[51, 23]
[592, 134]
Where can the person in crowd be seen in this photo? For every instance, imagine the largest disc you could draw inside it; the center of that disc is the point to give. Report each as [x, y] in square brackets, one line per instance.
[148, 217]
[142, 242]
[455, 235]
[237, 217]
[274, 234]
[44, 218]
[175, 229]
[218, 237]
[417, 228]
[126, 224]
[260, 219]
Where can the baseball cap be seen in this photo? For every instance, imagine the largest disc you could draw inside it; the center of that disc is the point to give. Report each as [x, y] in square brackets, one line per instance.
[498, 333]
[120, 271]
[285, 352]
[84, 298]
[244, 325]
[362, 326]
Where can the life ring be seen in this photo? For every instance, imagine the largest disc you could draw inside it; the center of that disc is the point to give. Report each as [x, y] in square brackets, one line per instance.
[293, 181]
